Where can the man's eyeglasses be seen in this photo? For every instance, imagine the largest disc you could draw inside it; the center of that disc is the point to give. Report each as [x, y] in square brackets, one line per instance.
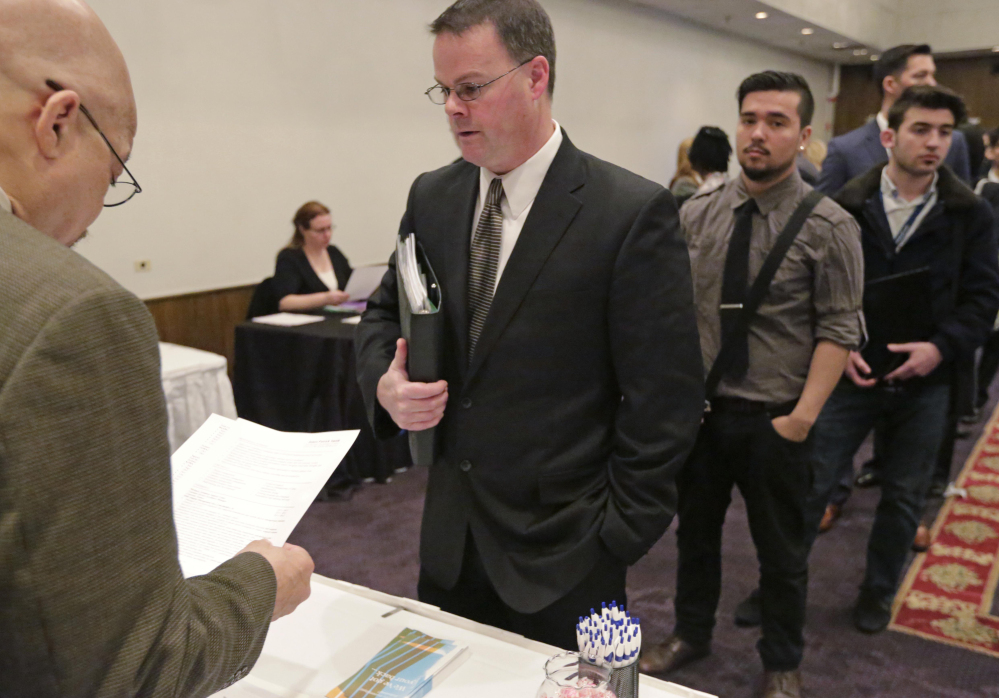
[121, 190]
[466, 91]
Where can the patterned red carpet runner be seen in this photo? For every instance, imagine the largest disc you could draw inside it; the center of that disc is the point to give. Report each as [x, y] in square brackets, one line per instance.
[948, 593]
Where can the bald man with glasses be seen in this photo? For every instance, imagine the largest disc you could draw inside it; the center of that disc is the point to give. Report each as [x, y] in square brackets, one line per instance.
[92, 598]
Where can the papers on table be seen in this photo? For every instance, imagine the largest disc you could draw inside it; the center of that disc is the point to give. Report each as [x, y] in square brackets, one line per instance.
[355, 320]
[235, 482]
[364, 280]
[288, 319]
[414, 281]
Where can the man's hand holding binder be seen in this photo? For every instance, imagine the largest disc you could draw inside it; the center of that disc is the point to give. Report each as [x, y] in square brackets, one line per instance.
[413, 406]
[923, 358]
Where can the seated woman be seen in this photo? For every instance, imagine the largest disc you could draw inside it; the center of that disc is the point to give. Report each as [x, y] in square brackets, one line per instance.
[310, 272]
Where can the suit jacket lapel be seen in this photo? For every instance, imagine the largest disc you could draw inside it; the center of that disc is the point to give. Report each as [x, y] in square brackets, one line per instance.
[551, 213]
[453, 276]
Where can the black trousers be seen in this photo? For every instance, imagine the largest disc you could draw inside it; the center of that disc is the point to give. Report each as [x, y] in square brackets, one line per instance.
[474, 597]
[773, 474]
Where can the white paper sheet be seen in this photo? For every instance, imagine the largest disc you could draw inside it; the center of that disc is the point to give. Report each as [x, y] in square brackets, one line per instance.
[235, 482]
[364, 280]
[288, 319]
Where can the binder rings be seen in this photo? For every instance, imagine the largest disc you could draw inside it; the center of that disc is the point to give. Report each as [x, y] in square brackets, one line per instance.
[898, 309]
[423, 329]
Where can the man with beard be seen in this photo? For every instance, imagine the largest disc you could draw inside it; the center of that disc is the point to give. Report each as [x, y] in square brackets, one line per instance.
[756, 433]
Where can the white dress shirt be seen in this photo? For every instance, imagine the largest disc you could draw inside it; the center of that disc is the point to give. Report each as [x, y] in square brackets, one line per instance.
[991, 177]
[901, 212]
[882, 120]
[5, 202]
[520, 188]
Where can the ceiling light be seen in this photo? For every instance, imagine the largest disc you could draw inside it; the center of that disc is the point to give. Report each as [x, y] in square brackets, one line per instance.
[761, 15]
[995, 49]
[860, 52]
[875, 56]
[807, 31]
[840, 45]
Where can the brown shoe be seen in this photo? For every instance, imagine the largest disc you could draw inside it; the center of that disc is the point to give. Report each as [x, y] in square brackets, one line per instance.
[921, 543]
[670, 655]
[781, 684]
[829, 518]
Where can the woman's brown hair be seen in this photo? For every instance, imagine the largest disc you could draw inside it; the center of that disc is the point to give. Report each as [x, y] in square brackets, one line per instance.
[302, 220]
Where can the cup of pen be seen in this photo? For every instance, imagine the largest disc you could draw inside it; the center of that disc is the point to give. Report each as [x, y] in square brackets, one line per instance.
[611, 640]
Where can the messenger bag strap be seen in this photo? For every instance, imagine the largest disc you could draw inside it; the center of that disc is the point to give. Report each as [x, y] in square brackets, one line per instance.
[759, 289]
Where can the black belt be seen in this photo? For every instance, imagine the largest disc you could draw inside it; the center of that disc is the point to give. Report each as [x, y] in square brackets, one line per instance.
[740, 405]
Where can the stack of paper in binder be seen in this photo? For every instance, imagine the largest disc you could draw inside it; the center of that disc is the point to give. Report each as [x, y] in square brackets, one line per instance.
[407, 667]
[420, 301]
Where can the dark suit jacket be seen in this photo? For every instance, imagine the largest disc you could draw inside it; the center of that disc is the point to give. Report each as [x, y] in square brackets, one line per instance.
[585, 391]
[92, 601]
[956, 240]
[856, 152]
[294, 275]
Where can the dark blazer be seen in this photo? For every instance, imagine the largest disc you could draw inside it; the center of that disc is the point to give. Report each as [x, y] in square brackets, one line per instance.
[566, 430]
[92, 599]
[294, 275]
[962, 323]
[856, 152]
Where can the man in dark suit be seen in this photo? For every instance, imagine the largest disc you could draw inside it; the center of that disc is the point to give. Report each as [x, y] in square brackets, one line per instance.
[572, 382]
[92, 599]
[856, 152]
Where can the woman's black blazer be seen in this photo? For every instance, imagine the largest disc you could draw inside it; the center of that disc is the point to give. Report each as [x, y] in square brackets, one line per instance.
[294, 274]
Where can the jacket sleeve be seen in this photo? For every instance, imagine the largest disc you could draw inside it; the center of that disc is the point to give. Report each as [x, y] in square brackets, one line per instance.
[968, 325]
[377, 333]
[92, 599]
[657, 362]
[832, 178]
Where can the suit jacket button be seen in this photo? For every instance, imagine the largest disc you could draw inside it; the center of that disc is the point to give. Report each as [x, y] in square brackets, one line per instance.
[465, 466]
[466, 402]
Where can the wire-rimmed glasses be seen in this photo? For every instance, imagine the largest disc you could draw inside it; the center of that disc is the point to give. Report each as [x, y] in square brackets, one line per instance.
[466, 91]
[121, 190]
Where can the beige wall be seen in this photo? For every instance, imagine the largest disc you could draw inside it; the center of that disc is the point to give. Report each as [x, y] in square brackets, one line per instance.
[248, 108]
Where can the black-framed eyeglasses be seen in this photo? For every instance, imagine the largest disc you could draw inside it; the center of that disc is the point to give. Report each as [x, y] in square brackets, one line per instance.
[466, 91]
[121, 190]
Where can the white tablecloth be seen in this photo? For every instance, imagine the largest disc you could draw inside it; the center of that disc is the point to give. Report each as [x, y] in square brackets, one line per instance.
[341, 626]
[195, 384]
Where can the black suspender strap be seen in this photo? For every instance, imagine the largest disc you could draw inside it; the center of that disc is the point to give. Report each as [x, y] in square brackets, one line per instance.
[759, 289]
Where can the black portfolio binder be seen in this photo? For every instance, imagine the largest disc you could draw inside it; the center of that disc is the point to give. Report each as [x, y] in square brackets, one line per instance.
[423, 332]
[898, 309]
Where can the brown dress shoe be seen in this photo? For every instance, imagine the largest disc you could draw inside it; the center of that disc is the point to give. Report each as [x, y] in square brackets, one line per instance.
[921, 543]
[670, 655]
[829, 518]
[781, 684]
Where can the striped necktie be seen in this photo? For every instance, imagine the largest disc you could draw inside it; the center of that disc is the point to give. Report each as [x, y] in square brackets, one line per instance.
[483, 261]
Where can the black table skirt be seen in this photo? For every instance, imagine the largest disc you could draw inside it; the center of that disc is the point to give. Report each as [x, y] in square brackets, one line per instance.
[303, 379]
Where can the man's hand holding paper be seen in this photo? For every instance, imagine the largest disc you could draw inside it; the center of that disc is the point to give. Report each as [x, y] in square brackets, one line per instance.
[412, 406]
[293, 568]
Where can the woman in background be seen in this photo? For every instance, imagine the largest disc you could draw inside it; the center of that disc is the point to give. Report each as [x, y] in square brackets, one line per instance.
[709, 156]
[685, 181]
[310, 272]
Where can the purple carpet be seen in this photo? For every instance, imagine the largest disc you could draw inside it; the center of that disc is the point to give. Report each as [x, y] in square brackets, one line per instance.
[372, 540]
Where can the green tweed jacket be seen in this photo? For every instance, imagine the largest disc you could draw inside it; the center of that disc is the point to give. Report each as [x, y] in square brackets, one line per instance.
[92, 600]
